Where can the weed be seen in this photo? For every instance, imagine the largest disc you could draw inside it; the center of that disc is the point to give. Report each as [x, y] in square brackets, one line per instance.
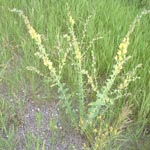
[94, 118]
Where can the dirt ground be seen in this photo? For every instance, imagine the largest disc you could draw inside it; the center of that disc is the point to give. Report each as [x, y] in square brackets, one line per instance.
[42, 122]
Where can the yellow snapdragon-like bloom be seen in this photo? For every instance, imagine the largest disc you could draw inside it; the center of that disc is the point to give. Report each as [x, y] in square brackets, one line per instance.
[99, 117]
[96, 145]
[95, 131]
[124, 51]
[71, 20]
[111, 129]
[123, 45]
[115, 131]
[90, 80]
[34, 35]
[119, 53]
[78, 55]
[81, 122]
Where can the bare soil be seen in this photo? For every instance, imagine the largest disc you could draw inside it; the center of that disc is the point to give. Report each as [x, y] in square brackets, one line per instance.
[35, 125]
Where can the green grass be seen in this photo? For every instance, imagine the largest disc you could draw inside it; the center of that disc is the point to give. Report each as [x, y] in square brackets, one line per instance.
[110, 18]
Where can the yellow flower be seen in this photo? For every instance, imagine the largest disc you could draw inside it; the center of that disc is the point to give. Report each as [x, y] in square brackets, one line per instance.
[124, 51]
[119, 53]
[99, 117]
[96, 145]
[111, 129]
[115, 131]
[123, 45]
[81, 122]
[120, 58]
[95, 131]
[78, 55]
[71, 20]
[84, 145]
[32, 33]
[31, 30]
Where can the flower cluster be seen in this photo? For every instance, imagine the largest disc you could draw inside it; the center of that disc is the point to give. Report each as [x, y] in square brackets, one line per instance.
[90, 80]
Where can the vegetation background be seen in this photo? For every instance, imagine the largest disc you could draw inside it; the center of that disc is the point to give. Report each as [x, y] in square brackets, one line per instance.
[110, 19]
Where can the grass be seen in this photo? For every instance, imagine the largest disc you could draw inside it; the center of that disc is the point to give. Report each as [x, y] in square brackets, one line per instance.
[111, 19]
